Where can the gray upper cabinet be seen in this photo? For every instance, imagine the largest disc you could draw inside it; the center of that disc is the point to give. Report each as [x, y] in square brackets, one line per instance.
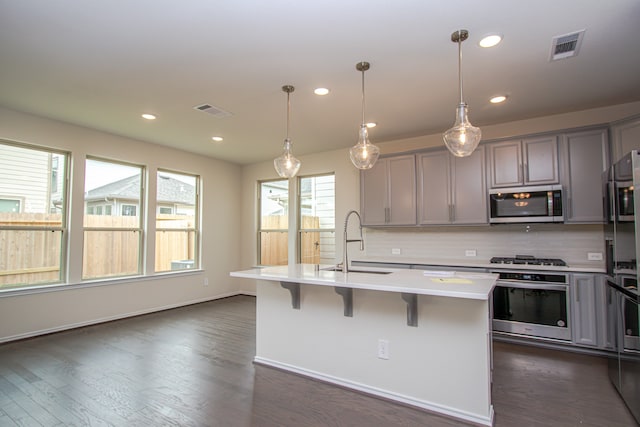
[625, 136]
[585, 157]
[388, 192]
[532, 161]
[434, 188]
[452, 190]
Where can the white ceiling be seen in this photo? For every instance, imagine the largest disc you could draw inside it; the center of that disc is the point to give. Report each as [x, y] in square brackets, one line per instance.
[101, 63]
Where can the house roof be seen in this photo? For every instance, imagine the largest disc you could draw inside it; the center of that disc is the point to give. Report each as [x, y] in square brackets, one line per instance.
[170, 190]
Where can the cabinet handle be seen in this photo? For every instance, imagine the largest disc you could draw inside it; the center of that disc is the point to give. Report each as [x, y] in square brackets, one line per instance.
[386, 215]
[577, 293]
[569, 215]
[525, 171]
[453, 213]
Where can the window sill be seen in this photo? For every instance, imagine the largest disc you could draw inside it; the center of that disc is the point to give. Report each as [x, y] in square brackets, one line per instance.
[29, 290]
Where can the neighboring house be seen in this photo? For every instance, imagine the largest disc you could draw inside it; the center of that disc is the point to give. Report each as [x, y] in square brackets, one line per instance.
[23, 186]
[122, 197]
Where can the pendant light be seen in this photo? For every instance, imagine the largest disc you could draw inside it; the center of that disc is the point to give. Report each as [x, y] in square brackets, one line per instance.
[463, 137]
[286, 165]
[363, 154]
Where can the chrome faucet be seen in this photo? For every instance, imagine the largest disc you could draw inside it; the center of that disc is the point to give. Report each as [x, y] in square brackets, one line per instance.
[345, 258]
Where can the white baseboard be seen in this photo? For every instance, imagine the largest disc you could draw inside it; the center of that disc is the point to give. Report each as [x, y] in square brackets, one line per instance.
[363, 388]
[61, 328]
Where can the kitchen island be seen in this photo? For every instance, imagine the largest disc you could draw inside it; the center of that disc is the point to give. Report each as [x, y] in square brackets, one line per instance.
[420, 338]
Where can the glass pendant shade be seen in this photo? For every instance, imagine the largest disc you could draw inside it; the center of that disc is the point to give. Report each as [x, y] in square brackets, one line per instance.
[364, 154]
[286, 165]
[463, 138]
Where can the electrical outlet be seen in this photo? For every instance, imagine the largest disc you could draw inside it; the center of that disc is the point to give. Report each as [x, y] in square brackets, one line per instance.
[395, 251]
[383, 349]
[594, 256]
[470, 252]
[206, 281]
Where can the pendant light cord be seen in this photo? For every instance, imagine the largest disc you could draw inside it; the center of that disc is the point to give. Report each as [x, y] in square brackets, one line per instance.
[460, 66]
[363, 96]
[288, 111]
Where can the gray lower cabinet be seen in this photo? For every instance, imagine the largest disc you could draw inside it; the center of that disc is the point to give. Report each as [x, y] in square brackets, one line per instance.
[585, 319]
[452, 190]
[585, 157]
[388, 192]
[606, 303]
[531, 161]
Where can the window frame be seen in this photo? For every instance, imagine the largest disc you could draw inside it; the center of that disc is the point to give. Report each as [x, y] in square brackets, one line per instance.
[196, 229]
[301, 230]
[63, 228]
[139, 229]
[261, 230]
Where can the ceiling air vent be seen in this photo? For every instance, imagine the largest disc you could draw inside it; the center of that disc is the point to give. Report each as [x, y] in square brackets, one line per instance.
[566, 46]
[214, 111]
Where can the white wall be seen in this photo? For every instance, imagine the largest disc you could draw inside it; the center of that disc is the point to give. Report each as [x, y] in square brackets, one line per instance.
[487, 240]
[56, 308]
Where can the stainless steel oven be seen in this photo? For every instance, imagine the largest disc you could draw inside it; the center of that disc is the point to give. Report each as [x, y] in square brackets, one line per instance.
[533, 304]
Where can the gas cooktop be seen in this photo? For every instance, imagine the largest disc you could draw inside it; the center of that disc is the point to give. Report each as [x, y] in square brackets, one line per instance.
[528, 260]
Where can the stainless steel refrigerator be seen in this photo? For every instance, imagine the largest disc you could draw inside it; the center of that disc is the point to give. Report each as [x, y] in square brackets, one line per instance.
[622, 214]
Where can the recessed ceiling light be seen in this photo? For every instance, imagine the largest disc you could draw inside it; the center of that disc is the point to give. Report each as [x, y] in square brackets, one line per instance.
[372, 124]
[498, 99]
[321, 91]
[217, 138]
[148, 116]
[490, 40]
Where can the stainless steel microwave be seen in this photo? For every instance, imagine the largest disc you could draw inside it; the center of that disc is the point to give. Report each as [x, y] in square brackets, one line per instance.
[526, 204]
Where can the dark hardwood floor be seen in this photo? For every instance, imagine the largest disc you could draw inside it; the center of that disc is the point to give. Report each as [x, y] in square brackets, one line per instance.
[192, 366]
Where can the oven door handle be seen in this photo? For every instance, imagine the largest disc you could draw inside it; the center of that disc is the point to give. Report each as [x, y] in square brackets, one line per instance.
[539, 286]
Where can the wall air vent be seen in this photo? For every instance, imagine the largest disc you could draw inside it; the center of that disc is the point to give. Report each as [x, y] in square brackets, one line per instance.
[566, 46]
[214, 111]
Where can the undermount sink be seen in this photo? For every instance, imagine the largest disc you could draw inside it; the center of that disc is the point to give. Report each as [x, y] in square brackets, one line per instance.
[357, 271]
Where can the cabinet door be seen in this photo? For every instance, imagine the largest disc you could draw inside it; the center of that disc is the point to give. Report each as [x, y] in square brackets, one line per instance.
[373, 194]
[401, 190]
[583, 288]
[625, 136]
[606, 304]
[540, 157]
[469, 193]
[505, 164]
[434, 188]
[585, 158]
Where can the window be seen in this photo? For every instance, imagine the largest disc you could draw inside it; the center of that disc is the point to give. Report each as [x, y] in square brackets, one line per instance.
[112, 243]
[273, 205]
[176, 233]
[317, 219]
[129, 210]
[9, 205]
[32, 216]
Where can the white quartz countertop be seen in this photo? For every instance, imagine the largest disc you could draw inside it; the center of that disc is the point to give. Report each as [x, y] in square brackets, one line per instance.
[444, 283]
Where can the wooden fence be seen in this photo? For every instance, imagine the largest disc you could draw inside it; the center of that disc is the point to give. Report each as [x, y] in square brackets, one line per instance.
[29, 256]
[33, 256]
[274, 244]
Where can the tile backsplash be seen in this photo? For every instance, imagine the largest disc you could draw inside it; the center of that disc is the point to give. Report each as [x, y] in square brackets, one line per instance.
[571, 243]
